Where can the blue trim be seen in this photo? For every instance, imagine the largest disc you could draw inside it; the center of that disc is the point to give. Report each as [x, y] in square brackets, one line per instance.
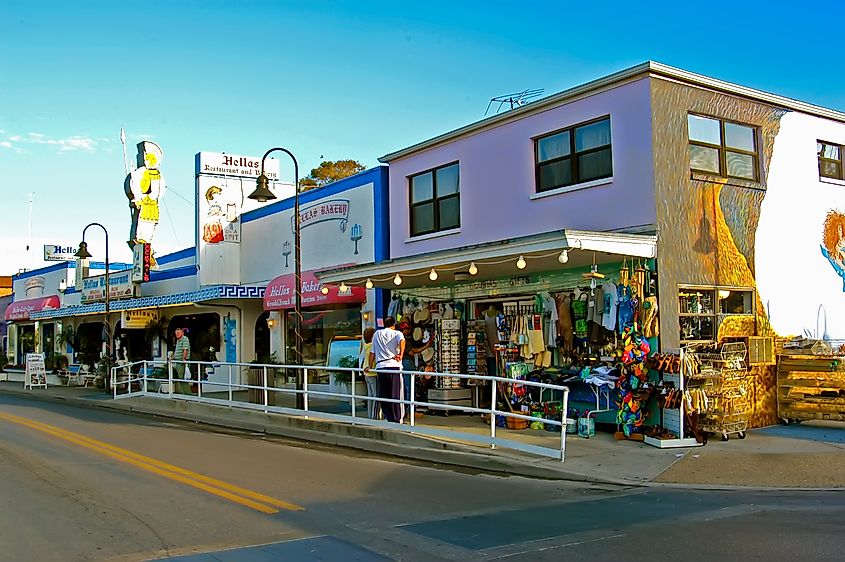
[178, 255]
[381, 198]
[174, 273]
[116, 266]
[43, 270]
[373, 175]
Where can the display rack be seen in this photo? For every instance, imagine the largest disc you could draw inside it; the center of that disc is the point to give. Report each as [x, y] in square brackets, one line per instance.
[449, 353]
[724, 378]
[674, 419]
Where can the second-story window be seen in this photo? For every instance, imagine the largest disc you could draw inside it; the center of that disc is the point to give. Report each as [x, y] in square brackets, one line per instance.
[722, 148]
[830, 160]
[575, 155]
[435, 200]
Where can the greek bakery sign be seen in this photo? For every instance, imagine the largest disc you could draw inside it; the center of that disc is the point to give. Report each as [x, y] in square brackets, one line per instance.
[234, 165]
[120, 287]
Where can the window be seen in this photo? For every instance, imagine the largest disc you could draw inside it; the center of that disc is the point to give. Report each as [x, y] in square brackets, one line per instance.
[575, 155]
[722, 148]
[830, 160]
[435, 200]
[701, 309]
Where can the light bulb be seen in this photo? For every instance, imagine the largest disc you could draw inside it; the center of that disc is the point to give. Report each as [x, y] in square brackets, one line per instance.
[473, 269]
[432, 275]
[520, 263]
[369, 283]
[397, 280]
[563, 257]
[324, 290]
[343, 288]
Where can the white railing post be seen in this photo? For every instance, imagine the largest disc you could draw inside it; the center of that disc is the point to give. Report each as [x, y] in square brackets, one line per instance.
[200, 372]
[305, 388]
[229, 386]
[145, 377]
[352, 395]
[413, 406]
[170, 379]
[113, 375]
[493, 384]
[266, 396]
[563, 416]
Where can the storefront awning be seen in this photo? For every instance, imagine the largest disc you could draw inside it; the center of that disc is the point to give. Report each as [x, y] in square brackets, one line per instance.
[280, 294]
[540, 252]
[202, 295]
[26, 309]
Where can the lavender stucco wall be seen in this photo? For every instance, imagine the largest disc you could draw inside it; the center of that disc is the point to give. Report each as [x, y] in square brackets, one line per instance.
[497, 177]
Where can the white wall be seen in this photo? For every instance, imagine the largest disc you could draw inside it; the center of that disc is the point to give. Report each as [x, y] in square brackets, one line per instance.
[793, 277]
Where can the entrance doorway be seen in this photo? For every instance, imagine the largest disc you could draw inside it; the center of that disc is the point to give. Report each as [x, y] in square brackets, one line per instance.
[262, 339]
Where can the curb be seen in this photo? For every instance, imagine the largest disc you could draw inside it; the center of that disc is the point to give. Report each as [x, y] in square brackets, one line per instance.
[383, 442]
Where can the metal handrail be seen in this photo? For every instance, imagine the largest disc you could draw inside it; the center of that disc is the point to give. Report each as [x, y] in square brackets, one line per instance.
[357, 374]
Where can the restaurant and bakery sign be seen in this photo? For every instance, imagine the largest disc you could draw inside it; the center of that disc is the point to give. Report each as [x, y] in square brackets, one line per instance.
[21, 310]
[280, 293]
[120, 287]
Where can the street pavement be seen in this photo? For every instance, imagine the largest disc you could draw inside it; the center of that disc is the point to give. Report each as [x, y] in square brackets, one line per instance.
[803, 456]
[95, 484]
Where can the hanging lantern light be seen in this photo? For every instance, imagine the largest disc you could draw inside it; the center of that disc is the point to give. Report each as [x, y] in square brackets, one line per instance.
[520, 263]
[397, 280]
[563, 257]
[369, 283]
[473, 269]
[343, 288]
[432, 275]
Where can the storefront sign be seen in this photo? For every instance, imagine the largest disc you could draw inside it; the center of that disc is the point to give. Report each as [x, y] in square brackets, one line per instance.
[20, 310]
[137, 318]
[59, 253]
[141, 258]
[234, 165]
[333, 210]
[81, 272]
[120, 287]
[280, 293]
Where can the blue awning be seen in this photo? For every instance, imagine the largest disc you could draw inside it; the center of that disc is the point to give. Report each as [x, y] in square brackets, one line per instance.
[206, 294]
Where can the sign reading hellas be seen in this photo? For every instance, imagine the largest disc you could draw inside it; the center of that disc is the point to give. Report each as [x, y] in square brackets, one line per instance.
[55, 252]
[137, 318]
[234, 165]
[120, 287]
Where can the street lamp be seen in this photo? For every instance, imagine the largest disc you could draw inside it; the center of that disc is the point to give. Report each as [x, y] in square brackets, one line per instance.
[263, 194]
[83, 253]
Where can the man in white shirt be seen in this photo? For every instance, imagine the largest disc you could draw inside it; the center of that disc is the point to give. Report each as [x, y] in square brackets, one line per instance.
[386, 354]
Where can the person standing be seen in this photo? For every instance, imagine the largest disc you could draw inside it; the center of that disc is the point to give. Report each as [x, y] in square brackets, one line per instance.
[365, 362]
[388, 348]
[181, 354]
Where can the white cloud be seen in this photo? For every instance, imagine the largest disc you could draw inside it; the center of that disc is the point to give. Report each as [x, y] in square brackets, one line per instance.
[76, 142]
[5, 144]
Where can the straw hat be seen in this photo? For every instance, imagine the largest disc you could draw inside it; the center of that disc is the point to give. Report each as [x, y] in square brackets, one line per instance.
[428, 354]
[422, 315]
[418, 333]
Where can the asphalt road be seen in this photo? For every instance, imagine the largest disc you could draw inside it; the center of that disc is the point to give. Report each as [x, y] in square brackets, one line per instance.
[86, 484]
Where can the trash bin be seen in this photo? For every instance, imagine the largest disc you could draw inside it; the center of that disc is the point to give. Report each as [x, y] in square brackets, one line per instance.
[255, 377]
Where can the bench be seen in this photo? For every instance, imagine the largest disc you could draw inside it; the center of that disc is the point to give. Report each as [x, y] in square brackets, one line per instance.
[71, 374]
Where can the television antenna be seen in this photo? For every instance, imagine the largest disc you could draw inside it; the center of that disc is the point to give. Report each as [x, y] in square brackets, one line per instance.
[516, 99]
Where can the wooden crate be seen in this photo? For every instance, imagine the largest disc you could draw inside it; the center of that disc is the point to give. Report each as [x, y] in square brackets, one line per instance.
[811, 387]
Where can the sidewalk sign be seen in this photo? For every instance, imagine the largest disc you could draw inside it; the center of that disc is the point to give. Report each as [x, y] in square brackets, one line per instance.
[36, 373]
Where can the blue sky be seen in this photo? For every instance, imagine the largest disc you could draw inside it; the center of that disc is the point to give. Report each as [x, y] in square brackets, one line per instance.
[333, 79]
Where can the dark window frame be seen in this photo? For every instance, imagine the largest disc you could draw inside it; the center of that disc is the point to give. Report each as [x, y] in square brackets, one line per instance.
[573, 156]
[839, 163]
[723, 149]
[434, 201]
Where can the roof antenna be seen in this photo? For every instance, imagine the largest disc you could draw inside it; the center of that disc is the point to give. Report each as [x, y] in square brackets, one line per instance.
[517, 99]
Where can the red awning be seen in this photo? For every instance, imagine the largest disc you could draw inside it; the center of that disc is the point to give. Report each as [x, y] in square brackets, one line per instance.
[20, 310]
[280, 294]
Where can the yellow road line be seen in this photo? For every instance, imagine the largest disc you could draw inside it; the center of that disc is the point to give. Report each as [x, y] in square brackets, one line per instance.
[231, 492]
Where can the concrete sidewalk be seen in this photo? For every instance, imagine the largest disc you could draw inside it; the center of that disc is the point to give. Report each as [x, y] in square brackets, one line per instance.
[767, 458]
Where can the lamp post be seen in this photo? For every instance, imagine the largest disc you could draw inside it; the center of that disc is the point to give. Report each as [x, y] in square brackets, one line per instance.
[83, 253]
[262, 194]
